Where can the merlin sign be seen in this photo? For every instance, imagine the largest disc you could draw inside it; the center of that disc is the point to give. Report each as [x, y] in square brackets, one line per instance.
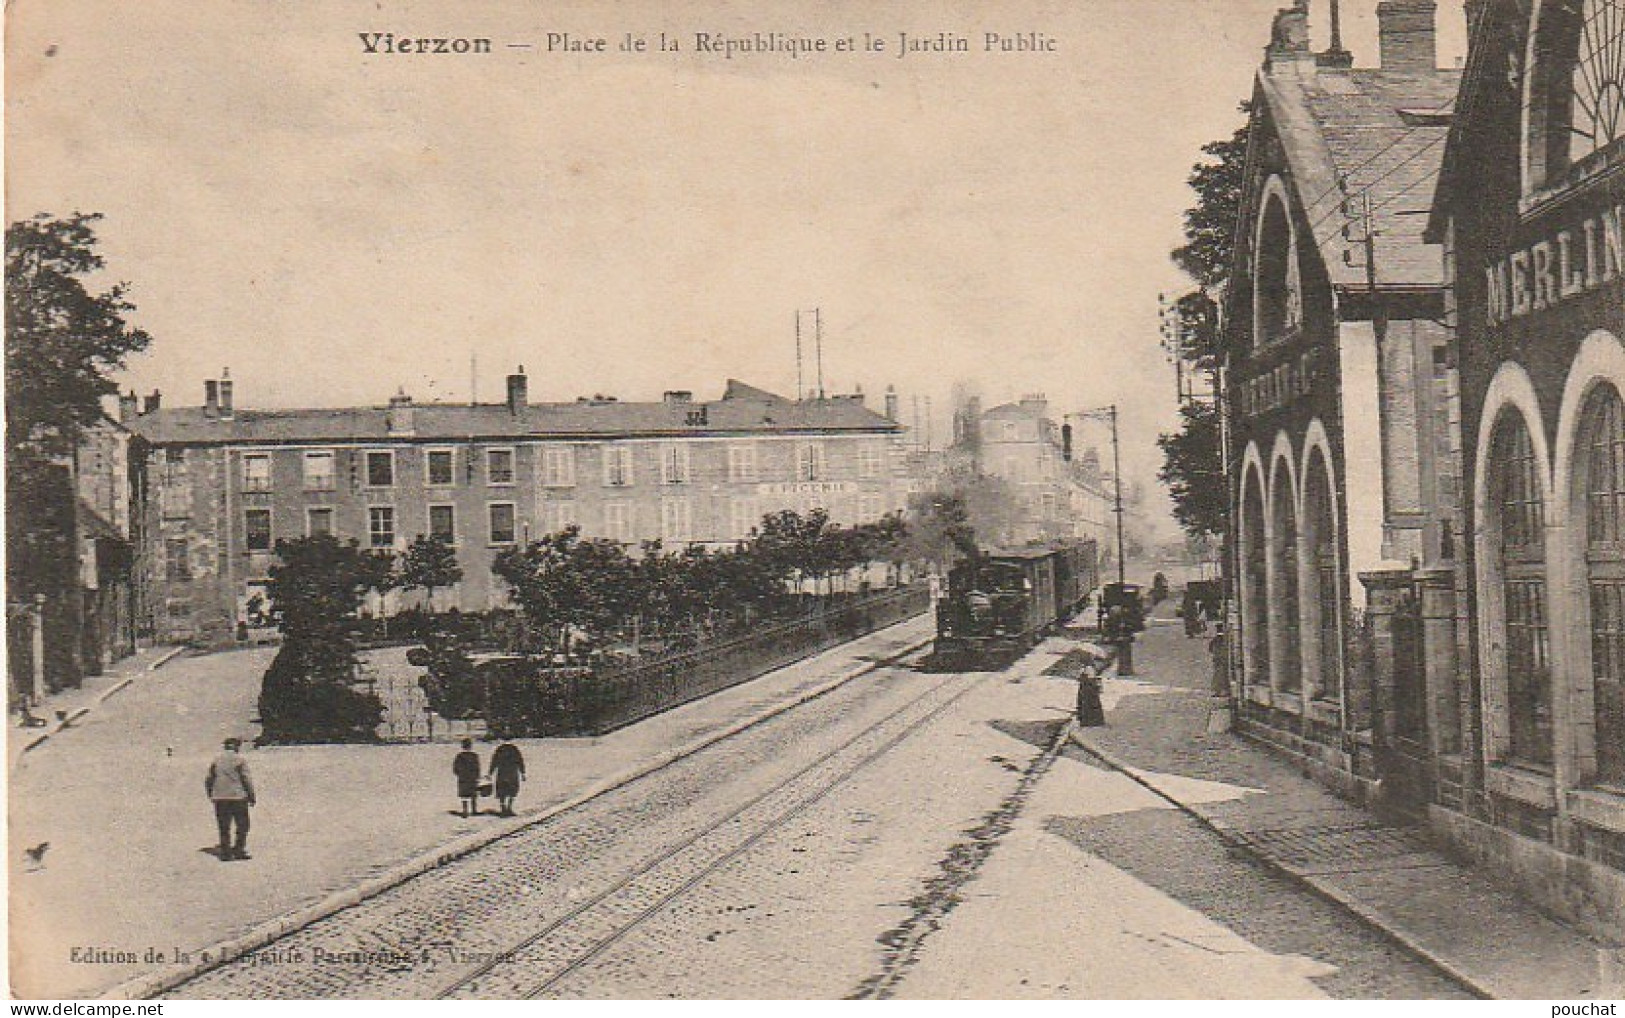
[1550, 271]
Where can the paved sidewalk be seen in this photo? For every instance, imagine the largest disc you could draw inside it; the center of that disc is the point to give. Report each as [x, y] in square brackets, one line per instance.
[62, 710]
[119, 797]
[1466, 924]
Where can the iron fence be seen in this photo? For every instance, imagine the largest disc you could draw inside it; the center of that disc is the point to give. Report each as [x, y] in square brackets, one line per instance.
[578, 701]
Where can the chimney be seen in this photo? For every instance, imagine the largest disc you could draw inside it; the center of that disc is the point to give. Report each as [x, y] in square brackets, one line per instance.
[518, 391]
[1289, 40]
[225, 394]
[398, 419]
[127, 407]
[152, 403]
[891, 402]
[211, 398]
[1405, 35]
[678, 396]
[1066, 442]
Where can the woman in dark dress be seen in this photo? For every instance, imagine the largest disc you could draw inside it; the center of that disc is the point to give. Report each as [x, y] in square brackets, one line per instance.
[508, 770]
[467, 768]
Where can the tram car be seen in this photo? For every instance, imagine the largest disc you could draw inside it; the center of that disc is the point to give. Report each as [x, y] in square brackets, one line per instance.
[1000, 604]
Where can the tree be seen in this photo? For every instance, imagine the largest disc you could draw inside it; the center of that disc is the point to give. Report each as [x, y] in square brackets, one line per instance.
[1191, 470]
[1210, 224]
[62, 344]
[62, 341]
[308, 694]
[1193, 467]
[567, 586]
[430, 564]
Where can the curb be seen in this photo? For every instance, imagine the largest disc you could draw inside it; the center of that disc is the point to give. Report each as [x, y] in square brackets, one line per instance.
[1310, 883]
[220, 953]
[101, 698]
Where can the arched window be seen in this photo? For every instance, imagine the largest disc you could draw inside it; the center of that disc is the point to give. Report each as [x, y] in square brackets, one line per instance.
[1255, 614]
[1602, 446]
[1278, 299]
[1283, 588]
[1576, 88]
[1325, 599]
[1521, 522]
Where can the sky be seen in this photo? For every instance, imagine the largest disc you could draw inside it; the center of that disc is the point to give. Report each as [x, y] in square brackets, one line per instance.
[334, 225]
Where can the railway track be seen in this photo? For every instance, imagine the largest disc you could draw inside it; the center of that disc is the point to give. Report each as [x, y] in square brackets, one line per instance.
[564, 947]
[508, 922]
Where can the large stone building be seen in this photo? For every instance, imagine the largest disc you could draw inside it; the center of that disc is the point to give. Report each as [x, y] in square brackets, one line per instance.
[1531, 725]
[1337, 376]
[1058, 496]
[76, 578]
[231, 482]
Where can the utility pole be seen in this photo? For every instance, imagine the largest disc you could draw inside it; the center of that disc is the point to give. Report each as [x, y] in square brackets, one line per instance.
[798, 355]
[818, 342]
[1125, 641]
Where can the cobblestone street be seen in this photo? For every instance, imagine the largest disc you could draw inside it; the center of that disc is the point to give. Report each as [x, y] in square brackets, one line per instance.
[908, 834]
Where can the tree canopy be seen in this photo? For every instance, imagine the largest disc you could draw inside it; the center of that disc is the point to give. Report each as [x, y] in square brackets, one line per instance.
[1191, 470]
[63, 341]
[1193, 467]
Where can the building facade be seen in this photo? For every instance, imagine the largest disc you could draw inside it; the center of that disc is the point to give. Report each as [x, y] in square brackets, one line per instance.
[1058, 496]
[1528, 214]
[1337, 377]
[229, 483]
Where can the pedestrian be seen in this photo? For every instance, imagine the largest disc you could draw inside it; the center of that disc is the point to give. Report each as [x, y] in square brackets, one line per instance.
[467, 768]
[231, 789]
[1219, 655]
[1091, 712]
[507, 771]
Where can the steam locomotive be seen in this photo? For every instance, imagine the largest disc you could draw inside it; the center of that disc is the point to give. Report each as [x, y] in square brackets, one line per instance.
[1000, 604]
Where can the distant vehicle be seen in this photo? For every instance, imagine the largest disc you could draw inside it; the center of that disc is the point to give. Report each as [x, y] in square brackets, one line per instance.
[1122, 610]
[999, 604]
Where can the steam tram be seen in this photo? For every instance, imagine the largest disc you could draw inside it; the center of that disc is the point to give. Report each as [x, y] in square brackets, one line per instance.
[1000, 604]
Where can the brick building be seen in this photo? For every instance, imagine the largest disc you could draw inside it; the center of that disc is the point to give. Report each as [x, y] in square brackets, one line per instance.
[1528, 212]
[229, 483]
[1337, 378]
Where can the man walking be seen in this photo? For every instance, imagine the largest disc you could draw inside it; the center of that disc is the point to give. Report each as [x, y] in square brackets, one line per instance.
[231, 788]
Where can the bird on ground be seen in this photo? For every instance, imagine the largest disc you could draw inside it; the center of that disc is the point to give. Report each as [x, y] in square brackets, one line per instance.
[36, 855]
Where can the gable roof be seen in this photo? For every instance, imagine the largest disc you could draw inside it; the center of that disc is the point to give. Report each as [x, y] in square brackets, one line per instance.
[1383, 133]
[745, 410]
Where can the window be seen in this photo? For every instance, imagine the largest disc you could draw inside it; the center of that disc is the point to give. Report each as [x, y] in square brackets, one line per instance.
[558, 515]
[1521, 517]
[559, 468]
[257, 527]
[318, 471]
[743, 517]
[439, 467]
[443, 523]
[177, 560]
[809, 462]
[1604, 449]
[618, 522]
[742, 462]
[674, 464]
[869, 508]
[318, 520]
[1597, 99]
[381, 526]
[380, 469]
[503, 529]
[256, 471]
[676, 521]
[499, 466]
[617, 466]
[871, 458]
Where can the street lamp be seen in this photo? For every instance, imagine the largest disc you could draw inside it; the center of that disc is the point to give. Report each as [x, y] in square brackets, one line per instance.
[1124, 640]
